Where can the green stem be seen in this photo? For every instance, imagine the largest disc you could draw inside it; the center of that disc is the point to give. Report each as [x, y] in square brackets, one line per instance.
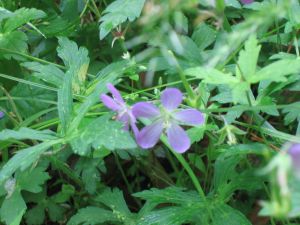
[188, 169]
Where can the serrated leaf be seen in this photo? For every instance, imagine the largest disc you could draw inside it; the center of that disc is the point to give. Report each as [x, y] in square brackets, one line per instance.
[25, 181]
[23, 159]
[102, 132]
[246, 65]
[118, 12]
[12, 209]
[22, 16]
[114, 199]
[35, 215]
[64, 195]
[203, 36]
[77, 61]
[276, 71]
[88, 169]
[27, 133]
[224, 214]
[15, 41]
[292, 113]
[48, 73]
[92, 216]
[211, 75]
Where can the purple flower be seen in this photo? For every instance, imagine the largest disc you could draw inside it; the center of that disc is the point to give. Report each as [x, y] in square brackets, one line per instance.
[116, 103]
[246, 2]
[1, 115]
[167, 119]
[294, 152]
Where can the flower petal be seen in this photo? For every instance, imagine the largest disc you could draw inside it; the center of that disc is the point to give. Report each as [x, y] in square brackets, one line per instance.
[109, 102]
[190, 117]
[145, 109]
[1, 114]
[150, 135]
[171, 98]
[115, 93]
[178, 138]
[294, 152]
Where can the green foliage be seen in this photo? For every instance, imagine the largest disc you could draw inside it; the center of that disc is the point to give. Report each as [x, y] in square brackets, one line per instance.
[119, 12]
[101, 132]
[65, 155]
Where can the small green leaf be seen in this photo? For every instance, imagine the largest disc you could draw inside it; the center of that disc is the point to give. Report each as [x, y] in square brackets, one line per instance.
[22, 16]
[275, 72]
[27, 133]
[92, 216]
[246, 65]
[118, 12]
[13, 208]
[24, 158]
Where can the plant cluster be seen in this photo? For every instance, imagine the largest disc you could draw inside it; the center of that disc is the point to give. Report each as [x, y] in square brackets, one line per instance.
[148, 112]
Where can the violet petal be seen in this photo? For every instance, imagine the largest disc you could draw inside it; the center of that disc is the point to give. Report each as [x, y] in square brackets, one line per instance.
[1, 114]
[124, 118]
[150, 135]
[145, 109]
[190, 117]
[246, 1]
[294, 152]
[178, 138]
[116, 94]
[109, 102]
[171, 98]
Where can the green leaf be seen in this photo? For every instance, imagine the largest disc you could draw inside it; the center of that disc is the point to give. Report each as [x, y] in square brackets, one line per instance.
[171, 194]
[48, 73]
[89, 170]
[15, 41]
[35, 215]
[13, 208]
[246, 65]
[204, 36]
[22, 16]
[114, 200]
[64, 195]
[224, 214]
[101, 132]
[92, 216]
[118, 12]
[25, 181]
[27, 133]
[292, 113]
[277, 71]
[211, 75]
[77, 61]
[65, 101]
[24, 158]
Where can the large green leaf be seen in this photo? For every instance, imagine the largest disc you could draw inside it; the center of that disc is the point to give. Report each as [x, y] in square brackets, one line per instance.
[101, 132]
[118, 12]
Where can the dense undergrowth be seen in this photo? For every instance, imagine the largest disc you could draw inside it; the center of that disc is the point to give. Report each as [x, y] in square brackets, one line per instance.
[150, 112]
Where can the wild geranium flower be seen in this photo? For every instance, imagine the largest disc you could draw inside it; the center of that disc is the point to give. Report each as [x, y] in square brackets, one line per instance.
[167, 120]
[117, 104]
[294, 152]
[246, 2]
[1, 115]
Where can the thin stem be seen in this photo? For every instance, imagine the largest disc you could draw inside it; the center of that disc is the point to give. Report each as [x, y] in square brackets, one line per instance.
[188, 169]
